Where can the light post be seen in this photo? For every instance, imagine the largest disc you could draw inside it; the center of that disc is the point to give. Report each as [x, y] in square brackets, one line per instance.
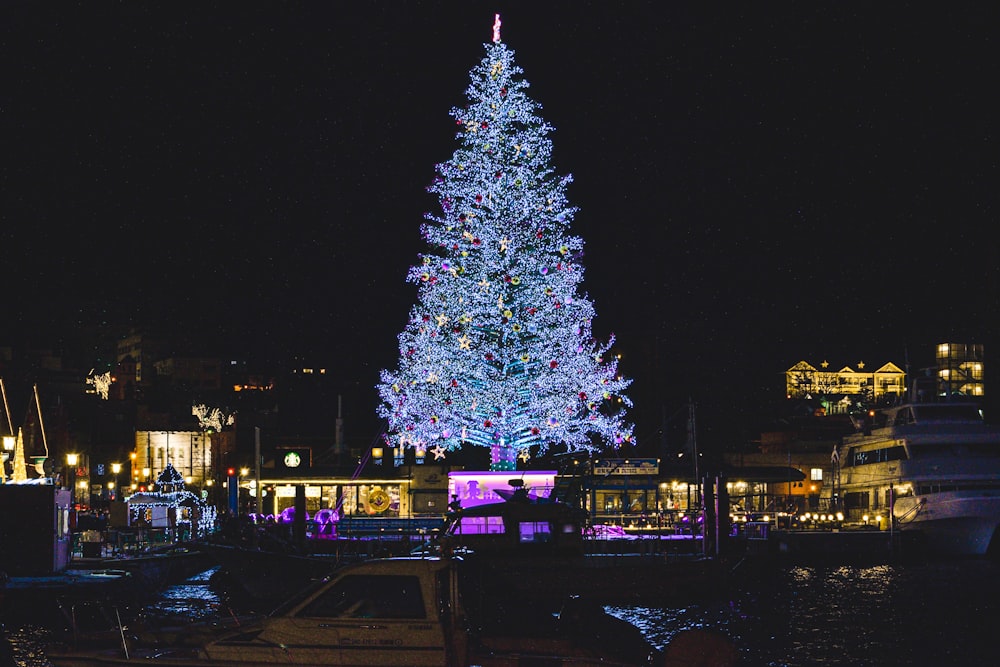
[9, 442]
[145, 478]
[71, 462]
[116, 468]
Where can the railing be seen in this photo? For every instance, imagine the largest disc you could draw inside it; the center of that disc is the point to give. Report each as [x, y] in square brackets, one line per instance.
[350, 526]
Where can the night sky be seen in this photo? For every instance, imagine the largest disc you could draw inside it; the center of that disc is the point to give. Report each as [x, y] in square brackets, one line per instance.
[757, 183]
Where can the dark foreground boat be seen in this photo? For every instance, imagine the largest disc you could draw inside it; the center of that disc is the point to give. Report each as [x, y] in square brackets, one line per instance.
[420, 611]
[540, 550]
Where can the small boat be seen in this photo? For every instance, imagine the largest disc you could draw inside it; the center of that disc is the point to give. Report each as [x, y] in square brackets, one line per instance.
[934, 467]
[420, 611]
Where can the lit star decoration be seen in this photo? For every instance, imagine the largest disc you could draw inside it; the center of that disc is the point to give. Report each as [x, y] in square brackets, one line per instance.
[438, 452]
[514, 352]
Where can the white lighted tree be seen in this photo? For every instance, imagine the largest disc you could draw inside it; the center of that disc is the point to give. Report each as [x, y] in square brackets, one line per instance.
[498, 351]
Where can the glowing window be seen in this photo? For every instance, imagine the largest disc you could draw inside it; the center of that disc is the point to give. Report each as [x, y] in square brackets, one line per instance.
[816, 474]
[480, 525]
[534, 531]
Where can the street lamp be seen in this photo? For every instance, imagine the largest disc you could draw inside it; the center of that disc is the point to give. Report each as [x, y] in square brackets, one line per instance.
[9, 442]
[71, 462]
[115, 469]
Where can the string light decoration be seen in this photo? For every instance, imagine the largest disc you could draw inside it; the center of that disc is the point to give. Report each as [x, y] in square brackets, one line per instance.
[498, 351]
[101, 383]
[212, 419]
[193, 515]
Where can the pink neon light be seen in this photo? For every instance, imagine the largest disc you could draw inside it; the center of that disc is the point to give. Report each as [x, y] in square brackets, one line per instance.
[496, 29]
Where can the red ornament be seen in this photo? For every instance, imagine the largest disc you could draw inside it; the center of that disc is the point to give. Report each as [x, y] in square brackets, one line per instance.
[487, 423]
[553, 363]
[583, 396]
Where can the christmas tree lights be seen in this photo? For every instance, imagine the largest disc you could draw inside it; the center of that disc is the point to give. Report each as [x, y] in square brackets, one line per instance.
[498, 351]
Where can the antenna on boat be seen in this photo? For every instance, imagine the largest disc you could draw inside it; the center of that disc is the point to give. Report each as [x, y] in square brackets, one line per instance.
[910, 387]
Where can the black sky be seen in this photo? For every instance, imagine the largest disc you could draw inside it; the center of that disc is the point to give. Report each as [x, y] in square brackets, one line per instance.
[757, 183]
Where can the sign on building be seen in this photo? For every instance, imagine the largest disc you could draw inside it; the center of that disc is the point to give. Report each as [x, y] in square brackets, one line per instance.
[627, 467]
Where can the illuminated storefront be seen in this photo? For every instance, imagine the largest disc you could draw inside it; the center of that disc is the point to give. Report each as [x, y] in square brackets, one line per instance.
[376, 497]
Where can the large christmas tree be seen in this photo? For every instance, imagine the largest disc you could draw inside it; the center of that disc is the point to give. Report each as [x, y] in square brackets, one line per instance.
[498, 351]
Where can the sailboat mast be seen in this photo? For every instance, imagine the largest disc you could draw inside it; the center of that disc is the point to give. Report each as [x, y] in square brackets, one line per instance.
[6, 407]
[41, 424]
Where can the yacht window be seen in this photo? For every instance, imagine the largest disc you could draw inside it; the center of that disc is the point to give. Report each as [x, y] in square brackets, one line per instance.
[480, 525]
[534, 531]
[369, 596]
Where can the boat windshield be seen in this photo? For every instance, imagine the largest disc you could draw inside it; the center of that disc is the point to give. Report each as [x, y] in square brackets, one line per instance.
[947, 412]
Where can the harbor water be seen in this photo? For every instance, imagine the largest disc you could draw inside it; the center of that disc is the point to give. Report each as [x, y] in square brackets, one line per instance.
[930, 613]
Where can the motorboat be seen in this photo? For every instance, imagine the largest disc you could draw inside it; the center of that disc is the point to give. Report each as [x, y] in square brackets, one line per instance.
[932, 467]
[419, 611]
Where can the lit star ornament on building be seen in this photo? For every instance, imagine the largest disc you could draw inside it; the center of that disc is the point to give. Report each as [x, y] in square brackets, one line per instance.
[515, 362]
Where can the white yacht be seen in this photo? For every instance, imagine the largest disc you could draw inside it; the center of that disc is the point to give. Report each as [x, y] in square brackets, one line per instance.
[935, 466]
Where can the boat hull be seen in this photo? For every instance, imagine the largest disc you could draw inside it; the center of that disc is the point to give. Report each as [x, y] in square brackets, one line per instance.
[954, 523]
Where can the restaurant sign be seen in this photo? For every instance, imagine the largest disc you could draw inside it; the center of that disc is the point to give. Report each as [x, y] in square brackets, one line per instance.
[627, 467]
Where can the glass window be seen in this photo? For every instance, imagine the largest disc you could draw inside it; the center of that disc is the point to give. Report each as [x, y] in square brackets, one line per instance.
[369, 596]
[480, 525]
[816, 474]
[534, 531]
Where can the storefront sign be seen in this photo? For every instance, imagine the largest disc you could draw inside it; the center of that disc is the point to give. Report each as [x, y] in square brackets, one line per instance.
[627, 467]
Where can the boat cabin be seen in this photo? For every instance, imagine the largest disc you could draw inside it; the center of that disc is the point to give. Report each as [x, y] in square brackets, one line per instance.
[518, 526]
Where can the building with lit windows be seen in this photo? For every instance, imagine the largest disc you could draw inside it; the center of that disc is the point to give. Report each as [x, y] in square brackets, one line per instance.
[959, 370]
[803, 380]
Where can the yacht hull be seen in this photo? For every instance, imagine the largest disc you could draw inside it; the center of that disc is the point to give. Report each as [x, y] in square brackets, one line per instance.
[955, 523]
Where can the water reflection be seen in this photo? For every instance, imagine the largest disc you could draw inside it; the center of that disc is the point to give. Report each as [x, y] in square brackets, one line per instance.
[191, 600]
[930, 613]
[924, 614]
